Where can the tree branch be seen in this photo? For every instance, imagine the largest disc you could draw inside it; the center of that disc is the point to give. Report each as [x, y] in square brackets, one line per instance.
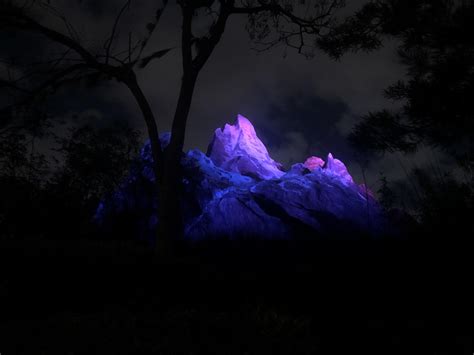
[207, 46]
[186, 38]
[114, 29]
[25, 23]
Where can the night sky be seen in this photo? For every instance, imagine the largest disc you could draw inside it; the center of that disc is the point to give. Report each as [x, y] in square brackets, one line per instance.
[300, 107]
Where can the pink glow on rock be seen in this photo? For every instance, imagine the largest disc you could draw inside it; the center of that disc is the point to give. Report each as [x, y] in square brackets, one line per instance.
[337, 167]
[312, 163]
[237, 148]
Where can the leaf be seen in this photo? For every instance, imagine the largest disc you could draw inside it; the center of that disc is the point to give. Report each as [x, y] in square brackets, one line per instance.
[144, 62]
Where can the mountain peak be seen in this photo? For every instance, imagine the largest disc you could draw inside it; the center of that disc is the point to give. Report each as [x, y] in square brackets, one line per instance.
[338, 168]
[238, 190]
[237, 148]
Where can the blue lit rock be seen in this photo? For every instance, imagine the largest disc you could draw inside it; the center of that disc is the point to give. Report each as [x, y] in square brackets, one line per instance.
[238, 191]
[320, 201]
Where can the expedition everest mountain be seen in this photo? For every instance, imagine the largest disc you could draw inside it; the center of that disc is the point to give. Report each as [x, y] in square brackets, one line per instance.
[237, 190]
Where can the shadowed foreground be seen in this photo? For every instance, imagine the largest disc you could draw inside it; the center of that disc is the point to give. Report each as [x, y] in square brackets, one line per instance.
[266, 297]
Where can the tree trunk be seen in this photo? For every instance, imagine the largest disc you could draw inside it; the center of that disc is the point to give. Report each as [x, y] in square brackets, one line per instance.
[167, 163]
[164, 189]
[172, 223]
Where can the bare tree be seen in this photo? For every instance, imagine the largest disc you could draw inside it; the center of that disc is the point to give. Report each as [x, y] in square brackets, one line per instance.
[305, 25]
[75, 63]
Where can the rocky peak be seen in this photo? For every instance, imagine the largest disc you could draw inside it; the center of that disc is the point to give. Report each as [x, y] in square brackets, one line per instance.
[312, 163]
[237, 148]
[338, 168]
[238, 190]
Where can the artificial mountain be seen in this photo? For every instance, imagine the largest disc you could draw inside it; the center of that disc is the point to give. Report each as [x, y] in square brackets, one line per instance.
[237, 190]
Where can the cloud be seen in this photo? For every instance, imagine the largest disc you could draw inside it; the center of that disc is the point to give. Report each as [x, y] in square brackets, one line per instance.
[300, 107]
[293, 148]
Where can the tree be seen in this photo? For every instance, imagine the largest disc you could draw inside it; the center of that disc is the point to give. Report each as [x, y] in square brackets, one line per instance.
[93, 163]
[61, 199]
[437, 51]
[305, 25]
[438, 54]
[95, 160]
[74, 64]
[22, 174]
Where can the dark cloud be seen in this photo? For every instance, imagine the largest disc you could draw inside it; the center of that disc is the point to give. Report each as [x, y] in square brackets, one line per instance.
[300, 107]
[303, 126]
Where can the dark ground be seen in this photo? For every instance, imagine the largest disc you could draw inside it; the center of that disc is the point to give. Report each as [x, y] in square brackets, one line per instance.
[87, 297]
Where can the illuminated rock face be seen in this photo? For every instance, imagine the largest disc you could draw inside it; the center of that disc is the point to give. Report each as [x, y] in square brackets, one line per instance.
[312, 163]
[237, 148]
[338, 168]
[238, 191]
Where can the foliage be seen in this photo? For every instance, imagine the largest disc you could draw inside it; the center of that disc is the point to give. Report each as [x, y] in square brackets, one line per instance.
[96, 159]
[446, 206]
[438, 54]
[59, 200]
[437, 51]
[387, 196]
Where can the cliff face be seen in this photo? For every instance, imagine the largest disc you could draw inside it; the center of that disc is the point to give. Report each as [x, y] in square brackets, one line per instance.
[238, 191]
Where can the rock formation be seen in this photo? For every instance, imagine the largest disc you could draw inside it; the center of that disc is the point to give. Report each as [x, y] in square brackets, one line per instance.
[237, 148]
[338, 168]
[238, 191]
[312, 163]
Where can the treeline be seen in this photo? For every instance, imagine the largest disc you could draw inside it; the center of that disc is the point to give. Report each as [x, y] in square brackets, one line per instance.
[52, 178]
[436, 112]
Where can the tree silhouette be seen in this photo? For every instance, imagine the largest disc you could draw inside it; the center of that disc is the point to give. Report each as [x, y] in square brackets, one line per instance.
[95, 160]
[305, 25]
[61, 199]
[438, 53]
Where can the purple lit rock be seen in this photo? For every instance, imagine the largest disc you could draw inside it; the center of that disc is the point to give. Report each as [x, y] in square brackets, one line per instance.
[331, 166]
[337, 167]
[321, 202]
[298, 169]
[239, 191]
[312, 163]
[237, 148]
